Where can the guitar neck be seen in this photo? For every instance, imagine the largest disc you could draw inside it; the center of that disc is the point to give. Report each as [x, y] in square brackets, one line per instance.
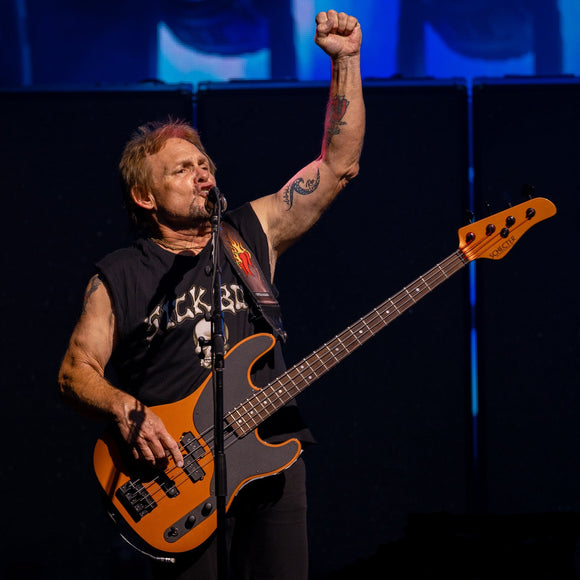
[261, 405]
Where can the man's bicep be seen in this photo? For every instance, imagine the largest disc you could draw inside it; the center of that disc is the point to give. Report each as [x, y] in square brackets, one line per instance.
[93, 338]
[295, 208]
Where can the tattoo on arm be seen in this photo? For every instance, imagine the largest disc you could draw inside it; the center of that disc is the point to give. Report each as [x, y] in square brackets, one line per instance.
[297, 187]
[337, 107]
[95, 283]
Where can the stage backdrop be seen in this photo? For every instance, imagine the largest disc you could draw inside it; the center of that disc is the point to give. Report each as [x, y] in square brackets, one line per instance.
[393, 422]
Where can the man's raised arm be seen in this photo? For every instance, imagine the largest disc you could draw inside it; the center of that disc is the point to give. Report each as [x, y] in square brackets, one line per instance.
[289, 213]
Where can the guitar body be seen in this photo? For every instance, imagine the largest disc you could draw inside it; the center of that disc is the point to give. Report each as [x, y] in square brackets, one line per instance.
[175, 511]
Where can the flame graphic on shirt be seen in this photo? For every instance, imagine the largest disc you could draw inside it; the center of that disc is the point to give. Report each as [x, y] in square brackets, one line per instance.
[242, 257]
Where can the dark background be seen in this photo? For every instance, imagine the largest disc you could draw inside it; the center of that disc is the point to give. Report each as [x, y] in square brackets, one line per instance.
[529, 130]
[397, 482]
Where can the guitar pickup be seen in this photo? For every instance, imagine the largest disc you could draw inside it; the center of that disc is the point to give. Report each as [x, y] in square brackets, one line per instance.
[167, 485]
[135, 499]
[194, 452]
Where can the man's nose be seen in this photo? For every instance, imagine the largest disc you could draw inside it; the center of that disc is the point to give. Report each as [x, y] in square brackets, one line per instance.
[202, 175]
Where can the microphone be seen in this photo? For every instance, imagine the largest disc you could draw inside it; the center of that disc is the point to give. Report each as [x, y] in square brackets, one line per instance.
[213, 196]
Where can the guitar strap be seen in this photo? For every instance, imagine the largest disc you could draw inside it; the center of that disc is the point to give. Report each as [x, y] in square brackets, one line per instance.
[251, 274]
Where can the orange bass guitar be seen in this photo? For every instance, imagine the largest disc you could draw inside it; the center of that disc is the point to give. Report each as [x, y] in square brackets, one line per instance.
[174, 510]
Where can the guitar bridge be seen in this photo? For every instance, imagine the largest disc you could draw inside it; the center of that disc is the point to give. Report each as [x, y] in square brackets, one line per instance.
[135, 499]
[195, 451]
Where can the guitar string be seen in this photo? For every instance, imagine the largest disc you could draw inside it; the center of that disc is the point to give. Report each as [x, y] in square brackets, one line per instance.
[374, 321]
[483, 244]
[310, 368]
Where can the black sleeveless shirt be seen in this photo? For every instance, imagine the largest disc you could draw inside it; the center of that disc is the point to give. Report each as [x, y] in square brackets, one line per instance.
[162, 303]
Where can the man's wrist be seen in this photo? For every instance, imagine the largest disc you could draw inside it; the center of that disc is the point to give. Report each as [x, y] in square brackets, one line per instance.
[346, 59]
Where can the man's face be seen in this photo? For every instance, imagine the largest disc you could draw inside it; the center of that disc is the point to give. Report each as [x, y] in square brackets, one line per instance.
[181, 180]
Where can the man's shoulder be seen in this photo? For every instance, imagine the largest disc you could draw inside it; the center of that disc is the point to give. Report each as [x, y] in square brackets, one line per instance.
[127, 253]
[246, 222]
[244, 218]
[125, 260]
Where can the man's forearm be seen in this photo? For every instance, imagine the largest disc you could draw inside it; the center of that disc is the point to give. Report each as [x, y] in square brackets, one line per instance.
[89, 393]
[345, 118]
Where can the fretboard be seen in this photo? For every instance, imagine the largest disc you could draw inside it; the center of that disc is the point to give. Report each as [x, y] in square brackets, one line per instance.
[261, 405]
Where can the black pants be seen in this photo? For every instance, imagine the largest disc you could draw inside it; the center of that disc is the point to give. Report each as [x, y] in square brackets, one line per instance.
[266, 535]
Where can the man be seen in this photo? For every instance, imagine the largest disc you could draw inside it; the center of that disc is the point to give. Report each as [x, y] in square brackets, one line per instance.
[146, 310]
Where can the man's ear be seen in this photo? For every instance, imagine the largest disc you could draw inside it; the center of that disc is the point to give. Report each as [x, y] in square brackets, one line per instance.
[142, 197]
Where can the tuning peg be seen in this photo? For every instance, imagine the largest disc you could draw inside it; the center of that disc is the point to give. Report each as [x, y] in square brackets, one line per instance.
[469, 216]
[528, 191]
[487, 206]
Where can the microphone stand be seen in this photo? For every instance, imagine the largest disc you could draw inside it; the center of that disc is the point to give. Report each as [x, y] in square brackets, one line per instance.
[218, 351]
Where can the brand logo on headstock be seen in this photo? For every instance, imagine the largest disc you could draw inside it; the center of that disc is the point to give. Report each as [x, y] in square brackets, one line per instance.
[503, 247]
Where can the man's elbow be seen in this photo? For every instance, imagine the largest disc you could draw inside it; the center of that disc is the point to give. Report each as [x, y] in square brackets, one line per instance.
[69, 377]
[350, 173]
[64, 382]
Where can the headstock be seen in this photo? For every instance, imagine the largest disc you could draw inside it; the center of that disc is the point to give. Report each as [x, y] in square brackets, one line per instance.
[495, 236]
